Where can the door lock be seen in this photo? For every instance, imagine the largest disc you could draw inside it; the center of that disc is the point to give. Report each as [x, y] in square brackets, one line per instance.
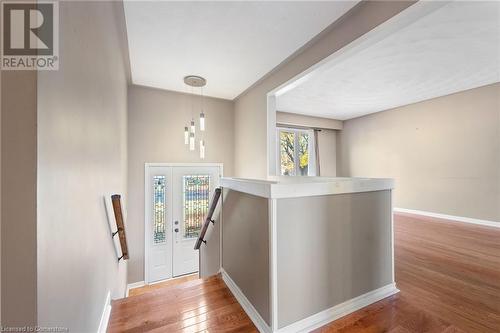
[176, 222]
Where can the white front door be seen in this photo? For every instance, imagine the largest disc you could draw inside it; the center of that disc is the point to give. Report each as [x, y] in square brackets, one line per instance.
[177, 201]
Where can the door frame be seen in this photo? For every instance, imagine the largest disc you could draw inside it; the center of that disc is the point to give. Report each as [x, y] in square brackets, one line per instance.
[147, 232]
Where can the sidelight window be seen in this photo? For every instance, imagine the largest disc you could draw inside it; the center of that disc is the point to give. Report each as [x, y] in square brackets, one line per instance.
[159, 209]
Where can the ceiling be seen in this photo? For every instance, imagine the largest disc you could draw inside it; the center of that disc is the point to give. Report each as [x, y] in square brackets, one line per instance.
[231, 44]
[430, 50]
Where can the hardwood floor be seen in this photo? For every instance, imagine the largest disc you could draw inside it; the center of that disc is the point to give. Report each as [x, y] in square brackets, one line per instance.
[159, 285]
[450, 269]
[448, 274]
[449, 277]
[196, 306]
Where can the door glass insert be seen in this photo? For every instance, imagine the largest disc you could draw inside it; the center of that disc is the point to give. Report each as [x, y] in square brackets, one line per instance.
[159, 209]
[196, 191]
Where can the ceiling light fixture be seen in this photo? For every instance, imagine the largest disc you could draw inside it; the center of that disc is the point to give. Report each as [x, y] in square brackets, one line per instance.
[195, 81]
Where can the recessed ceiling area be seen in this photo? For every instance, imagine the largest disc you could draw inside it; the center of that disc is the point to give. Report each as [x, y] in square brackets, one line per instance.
[231, 44]
[430, 50]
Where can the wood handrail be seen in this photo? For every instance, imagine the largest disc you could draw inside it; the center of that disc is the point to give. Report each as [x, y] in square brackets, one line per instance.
[120, 225]
[208, 219]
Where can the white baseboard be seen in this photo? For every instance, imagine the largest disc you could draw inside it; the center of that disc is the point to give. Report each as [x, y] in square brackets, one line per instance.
[315, 321]
[245, 303]
[106, 313]
[324, 317]
[495, 224]
[134, 285]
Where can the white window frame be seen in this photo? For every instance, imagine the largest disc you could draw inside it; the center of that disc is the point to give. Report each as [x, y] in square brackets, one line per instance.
[311, 170]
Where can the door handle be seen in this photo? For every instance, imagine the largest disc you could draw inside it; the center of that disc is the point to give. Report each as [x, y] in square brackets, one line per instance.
[176, 229]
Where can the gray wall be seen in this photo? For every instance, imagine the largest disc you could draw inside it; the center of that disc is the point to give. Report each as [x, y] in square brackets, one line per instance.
[331, 249]
[18, 177]
[444, 153]
[156, 121]
[245, 250]
[0, 198]
[82, 150]
[251, 107]
[210, 251]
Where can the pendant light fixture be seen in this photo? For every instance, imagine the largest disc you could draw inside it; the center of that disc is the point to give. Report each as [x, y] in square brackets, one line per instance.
[195, 81]
[202, 121]
[202, 149]
[191, 141]
[202, 114]
[186, 135]
[193, 127]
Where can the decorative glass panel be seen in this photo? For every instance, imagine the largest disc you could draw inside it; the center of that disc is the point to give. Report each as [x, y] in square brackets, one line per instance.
[303, 154]
[196, 191]
[159, 209]
[287, 141]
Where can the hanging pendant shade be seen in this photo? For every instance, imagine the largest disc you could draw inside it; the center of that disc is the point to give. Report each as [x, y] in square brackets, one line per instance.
[202, 121]
[191, 142]
[186, 135]
[202, 149]
[193, 127]
[190, 130]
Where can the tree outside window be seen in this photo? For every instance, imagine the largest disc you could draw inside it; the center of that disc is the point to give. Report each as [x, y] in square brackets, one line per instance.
[287, 151]
[303, 154]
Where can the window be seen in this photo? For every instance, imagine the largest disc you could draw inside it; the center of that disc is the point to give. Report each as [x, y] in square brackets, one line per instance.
[196, 191]
[296, 152]
[159, 209]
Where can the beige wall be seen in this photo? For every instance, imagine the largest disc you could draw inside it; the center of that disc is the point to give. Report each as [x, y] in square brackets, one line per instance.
[251, 107]
[293, 119]
[82, 154]
[444, 153]
[327, 144]
[18, 177]
[156, 134]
